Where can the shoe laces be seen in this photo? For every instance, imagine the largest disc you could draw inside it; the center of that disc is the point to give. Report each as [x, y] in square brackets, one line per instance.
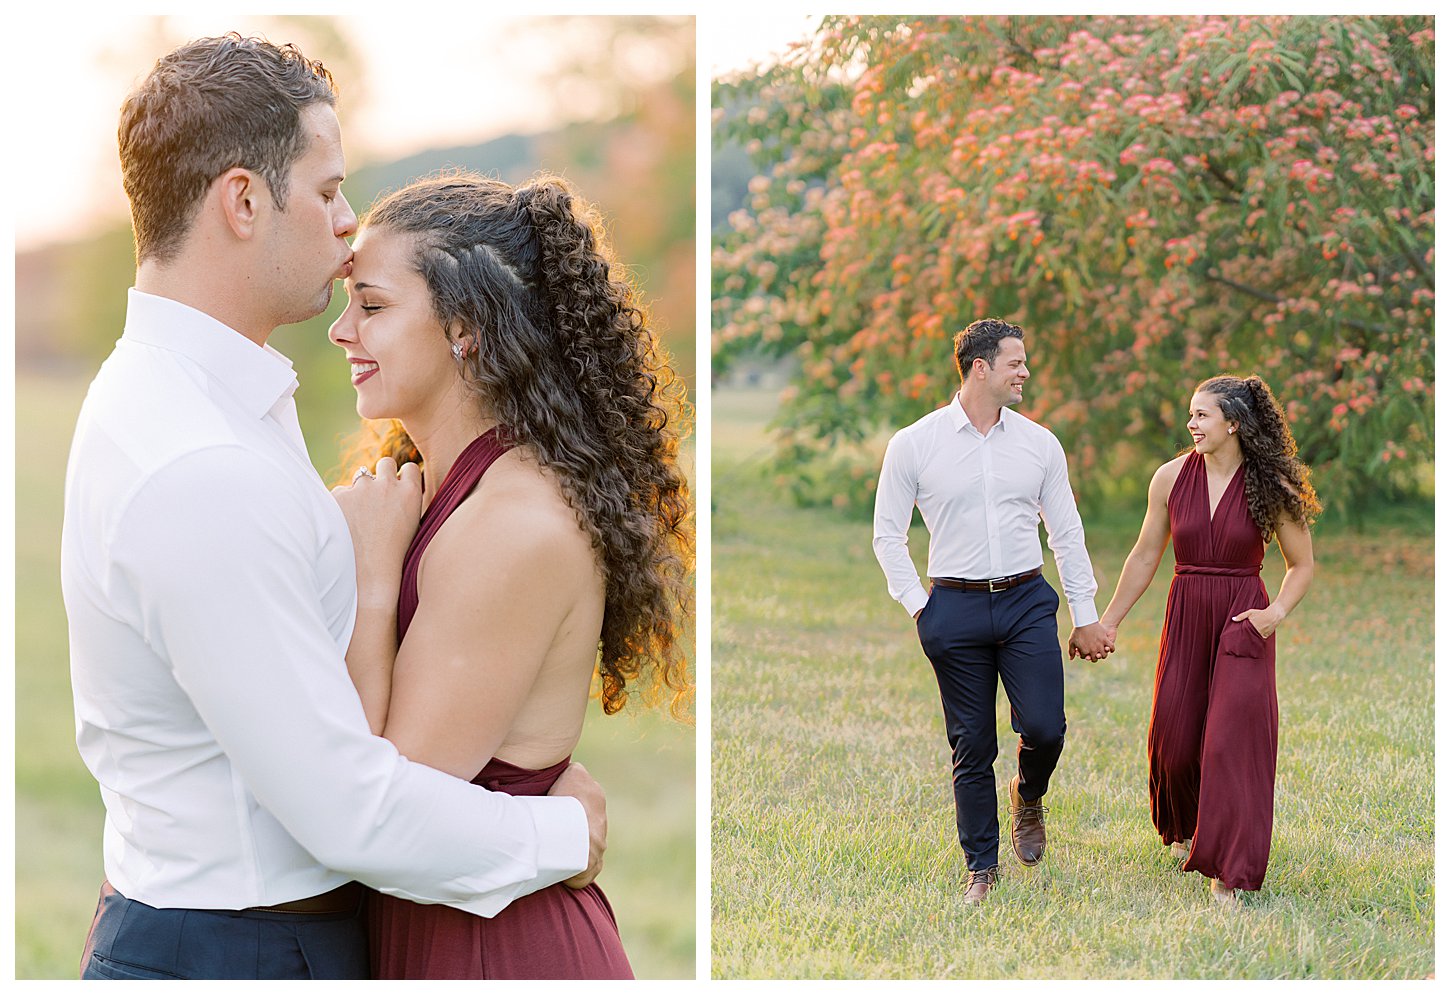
[1036, 809]
[987, 875]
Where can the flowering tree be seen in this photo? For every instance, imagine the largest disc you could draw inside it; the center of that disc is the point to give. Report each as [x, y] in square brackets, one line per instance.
[1155, 199]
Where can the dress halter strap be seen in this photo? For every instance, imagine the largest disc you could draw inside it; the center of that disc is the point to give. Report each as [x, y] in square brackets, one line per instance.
[462, 478]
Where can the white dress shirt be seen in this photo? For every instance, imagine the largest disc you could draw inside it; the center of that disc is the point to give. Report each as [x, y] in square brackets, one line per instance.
[209, 583]
[981, 497]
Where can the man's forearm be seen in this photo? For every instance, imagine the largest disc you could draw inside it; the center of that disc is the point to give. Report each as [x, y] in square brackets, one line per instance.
[902, 580]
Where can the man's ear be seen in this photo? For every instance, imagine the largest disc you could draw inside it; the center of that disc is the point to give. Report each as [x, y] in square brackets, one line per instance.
[239, 192]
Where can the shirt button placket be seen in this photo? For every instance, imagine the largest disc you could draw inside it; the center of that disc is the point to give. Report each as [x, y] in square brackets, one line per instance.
[989, 505]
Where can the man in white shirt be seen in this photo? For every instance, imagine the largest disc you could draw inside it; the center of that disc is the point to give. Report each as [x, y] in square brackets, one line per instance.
[982, 475]
[209, 576]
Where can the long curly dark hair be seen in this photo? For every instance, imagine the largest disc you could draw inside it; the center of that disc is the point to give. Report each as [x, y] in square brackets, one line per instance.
[566, 362]
[1276, 483]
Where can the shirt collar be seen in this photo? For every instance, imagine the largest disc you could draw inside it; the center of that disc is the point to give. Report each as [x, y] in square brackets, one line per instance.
[257, 377]
[959, 419]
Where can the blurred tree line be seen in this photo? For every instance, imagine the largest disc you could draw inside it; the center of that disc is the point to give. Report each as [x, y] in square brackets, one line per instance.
[635, 160]
[1155, 199]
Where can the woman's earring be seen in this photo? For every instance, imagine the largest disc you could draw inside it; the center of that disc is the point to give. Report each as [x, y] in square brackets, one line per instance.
[458, 351]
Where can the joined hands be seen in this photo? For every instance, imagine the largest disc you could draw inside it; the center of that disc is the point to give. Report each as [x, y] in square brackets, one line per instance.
[1092, 642]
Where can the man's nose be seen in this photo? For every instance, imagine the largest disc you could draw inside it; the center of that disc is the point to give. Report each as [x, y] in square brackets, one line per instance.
[346, 220]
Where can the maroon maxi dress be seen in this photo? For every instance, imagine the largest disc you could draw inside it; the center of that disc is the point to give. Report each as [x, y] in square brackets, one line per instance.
[558, 932]
[1213, 739]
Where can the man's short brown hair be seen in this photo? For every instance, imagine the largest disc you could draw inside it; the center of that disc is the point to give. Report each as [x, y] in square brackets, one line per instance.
[210, 106]
[981, 340]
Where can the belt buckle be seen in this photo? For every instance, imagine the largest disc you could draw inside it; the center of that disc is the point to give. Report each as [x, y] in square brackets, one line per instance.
[992, 587]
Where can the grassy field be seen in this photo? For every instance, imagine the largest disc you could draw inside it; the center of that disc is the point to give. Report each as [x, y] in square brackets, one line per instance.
[834, 847]
[646, 764]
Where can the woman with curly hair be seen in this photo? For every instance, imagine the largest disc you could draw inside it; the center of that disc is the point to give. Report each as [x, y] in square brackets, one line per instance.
[1214, 733]
[518, 382]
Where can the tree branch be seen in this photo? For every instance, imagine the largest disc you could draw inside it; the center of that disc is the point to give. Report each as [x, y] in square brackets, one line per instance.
[1220, 175]
[1417, 260]
[1271, 298]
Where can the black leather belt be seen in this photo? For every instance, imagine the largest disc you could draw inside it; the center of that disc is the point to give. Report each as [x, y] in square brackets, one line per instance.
[993, 586]
[344, 898]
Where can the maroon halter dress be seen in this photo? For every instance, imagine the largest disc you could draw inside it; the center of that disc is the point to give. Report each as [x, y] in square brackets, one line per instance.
[1213, 739]
[558, 932]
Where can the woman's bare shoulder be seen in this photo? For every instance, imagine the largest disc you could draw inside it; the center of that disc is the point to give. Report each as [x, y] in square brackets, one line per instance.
[1165, 476]
[518, 513]
[1176, 463]
[1169, 471]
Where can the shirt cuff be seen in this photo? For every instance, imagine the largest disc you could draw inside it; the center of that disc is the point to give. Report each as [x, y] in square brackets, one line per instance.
[563, 833]
[1083, 613]
[914, 600]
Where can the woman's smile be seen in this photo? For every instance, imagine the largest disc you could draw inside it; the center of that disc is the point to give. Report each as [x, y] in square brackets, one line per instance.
[362, 369]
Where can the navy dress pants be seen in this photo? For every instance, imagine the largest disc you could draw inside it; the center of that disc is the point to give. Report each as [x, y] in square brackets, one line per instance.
[131, 940]
[971, 639]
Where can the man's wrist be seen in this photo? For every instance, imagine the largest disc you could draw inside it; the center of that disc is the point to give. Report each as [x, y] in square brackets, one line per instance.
[563, 832]
[914, 601]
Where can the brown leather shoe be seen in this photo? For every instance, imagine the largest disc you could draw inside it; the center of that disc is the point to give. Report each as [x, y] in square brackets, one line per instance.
[1029, 832]
[979, 883]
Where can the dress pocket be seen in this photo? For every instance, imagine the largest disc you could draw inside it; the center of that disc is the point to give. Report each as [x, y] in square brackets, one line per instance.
[1242, 639]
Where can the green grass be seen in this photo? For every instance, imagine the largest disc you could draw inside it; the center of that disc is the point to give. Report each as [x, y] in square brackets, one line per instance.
[833, 840]
[646, 763]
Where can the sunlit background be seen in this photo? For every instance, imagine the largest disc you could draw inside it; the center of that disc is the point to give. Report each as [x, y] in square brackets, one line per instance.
[838, 278]
[607, 101]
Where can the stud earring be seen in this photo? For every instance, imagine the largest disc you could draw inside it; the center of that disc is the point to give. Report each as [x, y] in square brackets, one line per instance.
[458, 351]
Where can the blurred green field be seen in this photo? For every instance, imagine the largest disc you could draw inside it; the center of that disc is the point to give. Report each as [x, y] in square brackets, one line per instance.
[646, 763]
[834, 851]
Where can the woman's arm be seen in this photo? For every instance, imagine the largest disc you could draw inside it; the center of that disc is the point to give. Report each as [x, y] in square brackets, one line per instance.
[497, 592]
[382, 515]
[1147, 553]
[371, 653]
[1298, 550]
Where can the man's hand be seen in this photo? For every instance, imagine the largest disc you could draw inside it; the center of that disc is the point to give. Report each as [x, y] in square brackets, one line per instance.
[576, 783]
[382, 509]
[1091, 642]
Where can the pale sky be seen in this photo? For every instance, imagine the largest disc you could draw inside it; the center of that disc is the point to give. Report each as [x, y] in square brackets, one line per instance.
[732, 43]
[431, 82]
[427, 87]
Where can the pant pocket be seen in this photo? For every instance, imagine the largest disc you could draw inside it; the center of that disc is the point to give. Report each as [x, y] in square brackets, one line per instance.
[102, 967]
[921, 629]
